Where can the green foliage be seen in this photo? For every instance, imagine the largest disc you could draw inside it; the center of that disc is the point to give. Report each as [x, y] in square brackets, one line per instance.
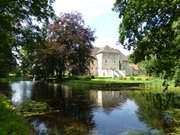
[153, 108]
[139, 79]
[177, 77]
[121, 78]
[84, 77]
[20, 30]
[11, 123]
[132, 78]
[34, 108]
[151, 28]
[68, 50]
[31, 106]
[176, 119]
[103, 77]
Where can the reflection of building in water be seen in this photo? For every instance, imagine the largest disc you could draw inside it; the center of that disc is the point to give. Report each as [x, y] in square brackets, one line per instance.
[66, 91]
[107, 99]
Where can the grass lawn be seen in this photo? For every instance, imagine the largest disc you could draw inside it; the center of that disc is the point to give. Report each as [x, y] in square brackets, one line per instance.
[108, 81]
[151, 83]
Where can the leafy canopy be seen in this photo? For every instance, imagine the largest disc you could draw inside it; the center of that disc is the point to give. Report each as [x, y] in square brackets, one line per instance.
[20, 29]
[152, 29]
[68, 49]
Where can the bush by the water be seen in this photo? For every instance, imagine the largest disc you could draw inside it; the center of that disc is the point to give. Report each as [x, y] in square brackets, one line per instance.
[11, 123]
[139, 79]
[80, 77]
[176, 119]
[132, 78]
[34, 108]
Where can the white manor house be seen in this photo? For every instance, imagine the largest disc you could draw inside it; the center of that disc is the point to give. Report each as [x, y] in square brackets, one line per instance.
[110, 62]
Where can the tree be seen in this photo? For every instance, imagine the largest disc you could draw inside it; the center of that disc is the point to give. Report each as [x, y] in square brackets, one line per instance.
[151, 28]
[49, 62]
[20, 29]
[68, 48]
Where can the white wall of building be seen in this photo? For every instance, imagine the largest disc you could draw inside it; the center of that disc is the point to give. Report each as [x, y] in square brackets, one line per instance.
[110, 61]
[107, 64]
[110, 64]
[99, 58]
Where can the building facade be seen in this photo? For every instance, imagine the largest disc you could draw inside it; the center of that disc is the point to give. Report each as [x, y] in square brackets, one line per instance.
[109, 62]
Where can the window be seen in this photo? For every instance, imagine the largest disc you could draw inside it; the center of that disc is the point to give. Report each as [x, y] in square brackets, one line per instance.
[120, 65]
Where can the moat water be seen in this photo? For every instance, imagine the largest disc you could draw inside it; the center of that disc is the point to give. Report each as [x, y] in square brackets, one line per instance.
[94, 112]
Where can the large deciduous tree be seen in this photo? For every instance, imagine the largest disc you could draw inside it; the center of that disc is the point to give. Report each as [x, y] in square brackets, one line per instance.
[151, 28]
[68, 48]
[20, 28]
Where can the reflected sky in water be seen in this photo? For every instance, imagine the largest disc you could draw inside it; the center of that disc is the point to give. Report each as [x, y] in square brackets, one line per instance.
[122, 118]
[82, 112]
[21, 91]
[40, 127]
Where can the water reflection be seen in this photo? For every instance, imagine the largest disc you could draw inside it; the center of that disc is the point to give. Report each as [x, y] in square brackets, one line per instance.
[121, 119]
[155, 104]
[40, 127]
[93, 112]
[107, 100]
[21, 91]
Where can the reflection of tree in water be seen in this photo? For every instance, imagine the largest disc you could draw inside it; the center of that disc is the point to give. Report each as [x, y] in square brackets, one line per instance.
[75, 116]
[108, 100]
[152, 106]
[5, 89]
[45, 92]
[58, 124]
[75, 105]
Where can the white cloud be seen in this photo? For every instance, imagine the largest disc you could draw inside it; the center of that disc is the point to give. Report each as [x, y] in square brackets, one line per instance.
[89, 8]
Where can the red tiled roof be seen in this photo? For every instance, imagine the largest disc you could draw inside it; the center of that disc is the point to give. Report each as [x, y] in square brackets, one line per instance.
[134, 66]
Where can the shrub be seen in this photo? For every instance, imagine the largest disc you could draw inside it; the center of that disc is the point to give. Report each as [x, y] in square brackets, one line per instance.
[92, 77]
[103, 77]
[139, 79]
[121, 78]
[11, 123]
[84, 77]
[132, 78]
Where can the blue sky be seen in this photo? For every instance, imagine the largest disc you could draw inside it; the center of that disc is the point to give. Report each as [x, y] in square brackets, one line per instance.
[99, 16]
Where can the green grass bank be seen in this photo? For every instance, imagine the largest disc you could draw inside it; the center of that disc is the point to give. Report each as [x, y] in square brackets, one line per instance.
[11, 122]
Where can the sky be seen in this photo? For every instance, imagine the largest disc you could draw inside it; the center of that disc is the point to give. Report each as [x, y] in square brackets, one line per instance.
[99, 16]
